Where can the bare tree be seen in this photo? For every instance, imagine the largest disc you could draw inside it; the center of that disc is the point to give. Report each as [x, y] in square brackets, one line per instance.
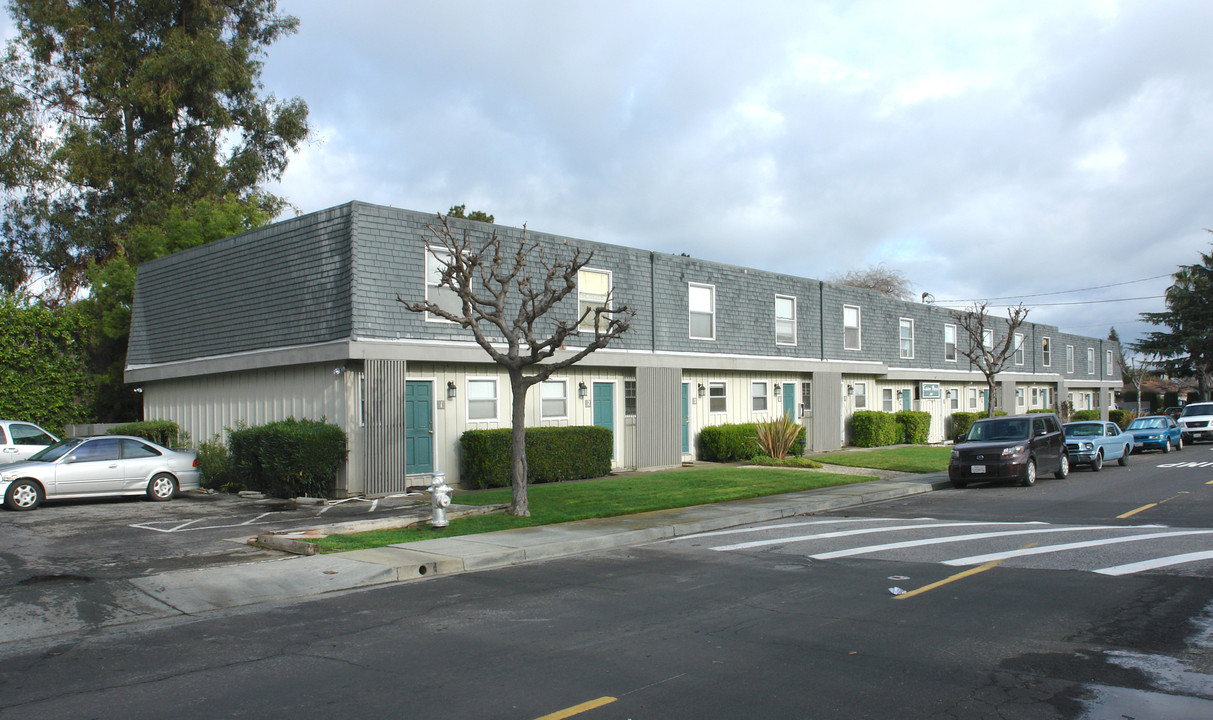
[502, 295]
[884, 280]
[1136, 371]
[983, 350]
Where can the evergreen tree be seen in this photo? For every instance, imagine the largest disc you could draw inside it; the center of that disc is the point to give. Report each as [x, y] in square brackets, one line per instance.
[1184, 347]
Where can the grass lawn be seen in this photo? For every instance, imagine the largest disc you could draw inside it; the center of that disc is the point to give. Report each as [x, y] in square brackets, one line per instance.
[913, 459]
[606, 497]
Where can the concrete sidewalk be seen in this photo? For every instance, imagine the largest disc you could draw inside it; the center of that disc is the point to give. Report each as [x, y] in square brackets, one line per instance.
[190, 592]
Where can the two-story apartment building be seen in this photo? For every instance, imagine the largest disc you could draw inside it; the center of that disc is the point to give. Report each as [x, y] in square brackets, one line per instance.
[301, 318]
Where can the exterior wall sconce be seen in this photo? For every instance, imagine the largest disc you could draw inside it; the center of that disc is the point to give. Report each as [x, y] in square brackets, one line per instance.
[581, 389]
[850, 389]
[450, 389]
[701, 390]
[778, 389]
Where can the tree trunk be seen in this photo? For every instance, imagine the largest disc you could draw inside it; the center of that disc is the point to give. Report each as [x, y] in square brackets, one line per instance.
[519, 504]
[990, 396]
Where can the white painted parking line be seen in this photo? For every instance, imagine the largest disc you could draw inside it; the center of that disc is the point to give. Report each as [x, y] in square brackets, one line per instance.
[865, 531]
[1130, 568]
[950, 539]
[254, 520]
[980, 559]
[191, 526]
[186, 524]
[374, 505]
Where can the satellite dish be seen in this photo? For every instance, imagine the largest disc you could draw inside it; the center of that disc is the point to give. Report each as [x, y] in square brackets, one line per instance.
[928, 298]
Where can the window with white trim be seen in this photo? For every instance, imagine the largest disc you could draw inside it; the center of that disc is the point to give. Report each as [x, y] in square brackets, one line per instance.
[758, 396]
[1019, 349]
[1070, 360]
[1035, 397]
[906, 334]
[1019, 397]
[436, 261]
[482, 399]
[953, 399]
[851, 338]
[1090, 361]
[785, 320]
[861, 395]
[949, 343]
[972, 398]
[718, 398]
[1107, 362]
[593, 291]
[806, 397]
[554, 399]
[886, 399]
[987, 339]
[1046, 351]
[629, 398]
[701, 306]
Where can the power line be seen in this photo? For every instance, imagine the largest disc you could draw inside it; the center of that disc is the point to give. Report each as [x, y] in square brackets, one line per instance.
[1086, 302]
[1057, 292]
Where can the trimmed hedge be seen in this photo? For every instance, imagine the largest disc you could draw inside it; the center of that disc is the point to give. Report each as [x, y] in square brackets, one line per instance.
[161, 432]
[871, 428]
[553, 454]
[737, 442]
[288, 458]
[1120, 417]
[915, 426]
[962, 421]
[1085, 415]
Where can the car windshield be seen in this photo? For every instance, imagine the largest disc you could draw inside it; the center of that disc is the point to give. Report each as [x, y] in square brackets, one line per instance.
[51, 453]
[999, 430]
[1084, 430]
[1147, 424]
[1202, 409]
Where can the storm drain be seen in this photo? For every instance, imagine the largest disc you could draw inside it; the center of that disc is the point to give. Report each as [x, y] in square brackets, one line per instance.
[55, 579]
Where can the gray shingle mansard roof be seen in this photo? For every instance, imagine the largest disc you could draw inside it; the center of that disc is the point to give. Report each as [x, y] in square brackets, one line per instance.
[330, 278]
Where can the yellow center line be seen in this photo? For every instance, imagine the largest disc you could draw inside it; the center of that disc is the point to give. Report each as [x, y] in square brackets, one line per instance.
[958, 576]
[578, 709]
[1134, 512]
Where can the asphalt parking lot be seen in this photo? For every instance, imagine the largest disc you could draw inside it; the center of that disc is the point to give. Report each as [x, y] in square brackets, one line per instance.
[81, 541]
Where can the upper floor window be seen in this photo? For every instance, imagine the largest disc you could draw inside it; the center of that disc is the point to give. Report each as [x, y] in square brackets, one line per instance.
[554, 399]
[987, 339]
[758, 396]
[1107, 362]
[701, 304]
[629, 398]
[1046, 351]
[1019, 348]
[437, 260]
[718, 399]
[593, 291]
[482, 399]
[906, 332]
[1090, 361]
[949, 343]
[1069, 358]
[850, 327]
[785, 320]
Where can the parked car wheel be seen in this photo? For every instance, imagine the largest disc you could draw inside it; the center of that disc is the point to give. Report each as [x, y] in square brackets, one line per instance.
[1097, 463]
[1181, 443]
[1063, 468]
[1167, 446]
[1124, 459]
[162, 488]
[23, 495]
[1029, 476]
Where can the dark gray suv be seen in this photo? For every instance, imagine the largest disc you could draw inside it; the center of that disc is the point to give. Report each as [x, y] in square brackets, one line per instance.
[1015, 447]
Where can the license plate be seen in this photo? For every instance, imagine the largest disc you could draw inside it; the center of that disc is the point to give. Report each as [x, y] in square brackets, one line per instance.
[977, 469]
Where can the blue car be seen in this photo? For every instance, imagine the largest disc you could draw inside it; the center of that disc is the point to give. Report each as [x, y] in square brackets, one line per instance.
[1093, 443]
[1156, 432]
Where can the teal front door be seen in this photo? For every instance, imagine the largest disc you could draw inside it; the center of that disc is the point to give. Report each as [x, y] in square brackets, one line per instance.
[789, 400]
[686, 418]
[418, 427]
[604, 409]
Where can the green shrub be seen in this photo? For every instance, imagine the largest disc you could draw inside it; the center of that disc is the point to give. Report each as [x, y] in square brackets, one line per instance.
[1120, 417]
[1034, 412]
[777, 436]
[915, 426]
[1085, 415]
[288, 458]
[735, 442]
[553, 454]
[161, 432]
[870, 428]
[215, 466]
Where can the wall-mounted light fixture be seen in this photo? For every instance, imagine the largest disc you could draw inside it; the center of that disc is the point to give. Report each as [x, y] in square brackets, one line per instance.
[778, 389]
[581, 389]
[701, 390]
[450, 389]
[850, 389]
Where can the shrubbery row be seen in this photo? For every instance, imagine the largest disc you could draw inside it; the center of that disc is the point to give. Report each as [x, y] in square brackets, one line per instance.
[736, 442]
[553, 454]
[872, 428]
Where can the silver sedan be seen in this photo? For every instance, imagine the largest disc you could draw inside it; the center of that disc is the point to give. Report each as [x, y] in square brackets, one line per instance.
[102, 466]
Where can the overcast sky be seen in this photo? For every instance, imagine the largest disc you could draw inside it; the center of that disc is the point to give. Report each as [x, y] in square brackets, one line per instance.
[986, 149]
